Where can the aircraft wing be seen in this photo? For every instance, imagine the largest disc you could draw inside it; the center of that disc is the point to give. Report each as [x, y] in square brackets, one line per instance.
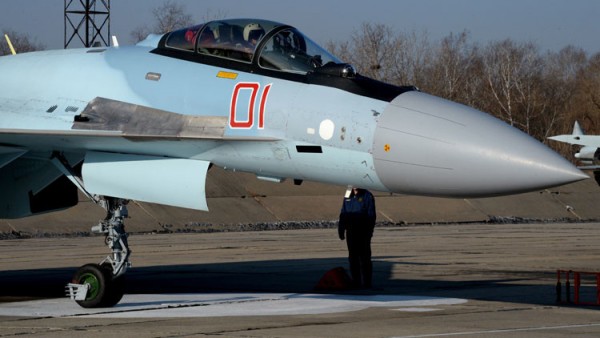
[582, 140]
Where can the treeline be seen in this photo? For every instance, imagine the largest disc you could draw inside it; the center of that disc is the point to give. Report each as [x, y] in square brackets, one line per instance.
[541, 93]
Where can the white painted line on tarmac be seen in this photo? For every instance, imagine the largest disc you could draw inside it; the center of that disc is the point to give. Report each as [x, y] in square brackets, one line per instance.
[416, 309]
[495, 331]
[224, 305]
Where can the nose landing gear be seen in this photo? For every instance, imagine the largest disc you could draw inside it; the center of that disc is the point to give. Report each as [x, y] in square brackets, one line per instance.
[103, 285]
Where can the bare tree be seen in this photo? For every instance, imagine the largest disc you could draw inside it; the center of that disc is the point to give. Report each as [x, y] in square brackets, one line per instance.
[373, 50]
[412, 53]
[512, 72]
[341, 50]
[378, 53]
[453, 71]
[21, 42]
[586, 101]
[168, 17]
[562, 72]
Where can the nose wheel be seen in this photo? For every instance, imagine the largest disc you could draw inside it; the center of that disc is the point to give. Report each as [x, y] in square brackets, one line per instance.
[103, 285]
[98, 287]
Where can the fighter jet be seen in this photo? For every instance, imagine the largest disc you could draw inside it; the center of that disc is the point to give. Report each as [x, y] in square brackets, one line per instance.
[147, 122]
[589, 154]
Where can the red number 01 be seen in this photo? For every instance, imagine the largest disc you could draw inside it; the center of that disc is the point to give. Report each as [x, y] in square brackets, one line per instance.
[254, 88]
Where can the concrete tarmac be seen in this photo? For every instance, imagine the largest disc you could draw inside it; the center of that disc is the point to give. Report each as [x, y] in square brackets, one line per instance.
[464, 280]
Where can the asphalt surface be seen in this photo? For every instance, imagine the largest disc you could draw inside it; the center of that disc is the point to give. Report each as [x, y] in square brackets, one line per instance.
[465, 280]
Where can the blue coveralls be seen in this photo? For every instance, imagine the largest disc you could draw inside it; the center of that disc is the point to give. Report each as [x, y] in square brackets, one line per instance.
[357, 221]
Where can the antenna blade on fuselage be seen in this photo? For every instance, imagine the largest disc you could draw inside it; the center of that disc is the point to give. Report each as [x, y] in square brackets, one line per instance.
[10, 45]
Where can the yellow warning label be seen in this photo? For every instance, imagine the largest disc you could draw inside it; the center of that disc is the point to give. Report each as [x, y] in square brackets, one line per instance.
[227, 75]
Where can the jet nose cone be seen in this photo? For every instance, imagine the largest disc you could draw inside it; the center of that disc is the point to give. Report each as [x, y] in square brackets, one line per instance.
[426, 145]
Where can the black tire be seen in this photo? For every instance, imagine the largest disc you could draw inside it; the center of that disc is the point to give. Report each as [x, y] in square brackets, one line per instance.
[98, 280]
[117, 287]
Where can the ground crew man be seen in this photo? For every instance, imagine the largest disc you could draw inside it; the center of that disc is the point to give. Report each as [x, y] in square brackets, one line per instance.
[357, 221]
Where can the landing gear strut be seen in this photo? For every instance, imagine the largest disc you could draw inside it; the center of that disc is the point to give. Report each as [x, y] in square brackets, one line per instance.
[103, 285]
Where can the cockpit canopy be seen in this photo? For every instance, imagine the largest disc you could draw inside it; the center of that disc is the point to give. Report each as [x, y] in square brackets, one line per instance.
[268, 44]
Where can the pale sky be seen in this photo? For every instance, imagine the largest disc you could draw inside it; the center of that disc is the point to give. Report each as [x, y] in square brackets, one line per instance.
[551, 24]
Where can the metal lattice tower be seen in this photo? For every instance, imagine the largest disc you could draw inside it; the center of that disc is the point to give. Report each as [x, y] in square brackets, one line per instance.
[89, 21]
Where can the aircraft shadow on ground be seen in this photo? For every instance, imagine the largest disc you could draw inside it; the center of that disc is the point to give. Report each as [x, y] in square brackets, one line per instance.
[286, 276]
